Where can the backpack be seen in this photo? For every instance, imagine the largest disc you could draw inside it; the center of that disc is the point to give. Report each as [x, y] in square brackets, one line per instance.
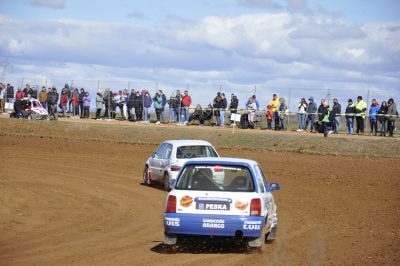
[244, 121]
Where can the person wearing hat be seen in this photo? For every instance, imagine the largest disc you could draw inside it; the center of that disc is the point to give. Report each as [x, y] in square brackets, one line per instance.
[336, 111]
[311, 109]
[392, 116]
[350, 110]
[360, 109]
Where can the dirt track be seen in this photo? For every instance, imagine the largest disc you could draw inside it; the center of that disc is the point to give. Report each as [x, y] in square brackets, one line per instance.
[65, 202]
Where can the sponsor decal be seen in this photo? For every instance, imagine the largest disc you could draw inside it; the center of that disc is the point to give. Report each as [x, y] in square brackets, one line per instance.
[175, 222]
[214, 223]
[241, 205]
[186, 201]
[217, 204]
[252, 225]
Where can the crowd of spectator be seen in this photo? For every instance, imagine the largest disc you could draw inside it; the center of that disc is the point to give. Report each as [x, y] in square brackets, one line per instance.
[136, 105]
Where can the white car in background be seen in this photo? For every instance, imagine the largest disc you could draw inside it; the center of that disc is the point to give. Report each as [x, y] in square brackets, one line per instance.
[165, 163]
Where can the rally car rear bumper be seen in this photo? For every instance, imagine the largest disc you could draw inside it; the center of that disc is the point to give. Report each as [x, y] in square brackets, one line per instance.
[215, 225]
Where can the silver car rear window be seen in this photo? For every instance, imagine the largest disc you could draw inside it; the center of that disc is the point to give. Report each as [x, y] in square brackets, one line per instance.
[195, 151]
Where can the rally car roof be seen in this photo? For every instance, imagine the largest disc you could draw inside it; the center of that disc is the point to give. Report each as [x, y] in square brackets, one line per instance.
[181, 142]
[222, 160]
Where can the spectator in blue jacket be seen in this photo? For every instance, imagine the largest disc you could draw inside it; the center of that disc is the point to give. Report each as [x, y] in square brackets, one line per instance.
[255, 101]
[373, 119]
[146, 106]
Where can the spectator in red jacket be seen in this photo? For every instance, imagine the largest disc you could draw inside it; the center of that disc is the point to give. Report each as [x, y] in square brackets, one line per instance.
[185, 104]
[20, 94]
[64, 101]
[75, 102]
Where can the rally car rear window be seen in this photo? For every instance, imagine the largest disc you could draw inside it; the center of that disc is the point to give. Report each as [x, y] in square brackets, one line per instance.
[194, 151]
[216, 178]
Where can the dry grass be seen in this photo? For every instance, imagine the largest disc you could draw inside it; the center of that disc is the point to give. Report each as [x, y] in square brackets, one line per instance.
[242, 139]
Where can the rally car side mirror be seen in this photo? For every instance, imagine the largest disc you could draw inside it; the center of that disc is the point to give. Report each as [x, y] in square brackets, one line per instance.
[274, 187]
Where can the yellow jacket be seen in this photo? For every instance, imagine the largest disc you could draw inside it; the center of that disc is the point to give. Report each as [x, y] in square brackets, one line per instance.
[43, 96]
[360, 107]
[274, 105]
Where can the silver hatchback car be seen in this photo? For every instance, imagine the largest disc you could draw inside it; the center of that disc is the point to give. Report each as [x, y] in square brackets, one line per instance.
[165, 163]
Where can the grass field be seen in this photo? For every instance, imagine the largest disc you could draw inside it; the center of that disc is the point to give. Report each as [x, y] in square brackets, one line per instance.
[140, 134]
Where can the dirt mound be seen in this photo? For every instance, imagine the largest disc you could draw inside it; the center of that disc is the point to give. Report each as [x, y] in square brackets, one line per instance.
[73, 202]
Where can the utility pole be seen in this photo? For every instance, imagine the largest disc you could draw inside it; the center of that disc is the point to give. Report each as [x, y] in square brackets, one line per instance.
[5, 65]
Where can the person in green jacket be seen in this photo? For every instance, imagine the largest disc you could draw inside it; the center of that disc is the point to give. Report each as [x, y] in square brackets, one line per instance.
[360, 109]
[158, 105]
[282, 109]
[327, 119]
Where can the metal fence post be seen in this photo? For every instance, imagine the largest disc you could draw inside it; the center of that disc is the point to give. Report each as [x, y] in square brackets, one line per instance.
[288, 118]
[366, 112]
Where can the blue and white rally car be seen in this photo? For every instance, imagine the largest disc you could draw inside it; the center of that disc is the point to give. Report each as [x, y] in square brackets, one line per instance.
[241, 205]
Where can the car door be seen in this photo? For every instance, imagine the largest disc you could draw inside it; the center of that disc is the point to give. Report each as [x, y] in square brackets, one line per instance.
[264, 191]
[166, 158]
[155, 162]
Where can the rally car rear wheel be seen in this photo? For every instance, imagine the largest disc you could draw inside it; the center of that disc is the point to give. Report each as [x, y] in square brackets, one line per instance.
[258, 243]
[146, 175]
[170, 239]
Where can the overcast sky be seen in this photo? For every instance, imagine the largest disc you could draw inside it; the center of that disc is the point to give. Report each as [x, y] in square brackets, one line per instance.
[310, 46]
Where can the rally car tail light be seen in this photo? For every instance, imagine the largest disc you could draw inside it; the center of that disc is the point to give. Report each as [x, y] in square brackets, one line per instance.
[171, 204]
[255, 207]
[175, 168]
[218, 168]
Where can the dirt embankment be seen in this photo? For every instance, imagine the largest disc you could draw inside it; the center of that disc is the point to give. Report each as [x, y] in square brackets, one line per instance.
[74, 202]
